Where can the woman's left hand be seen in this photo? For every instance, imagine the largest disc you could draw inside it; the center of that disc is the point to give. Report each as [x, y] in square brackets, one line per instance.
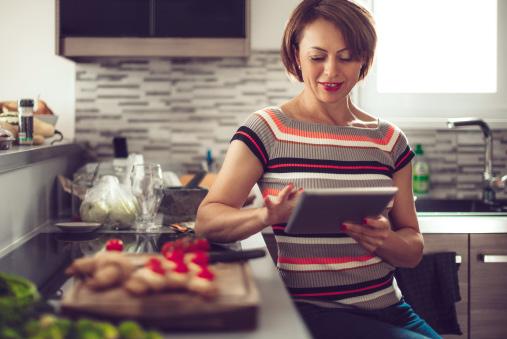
[371, 234]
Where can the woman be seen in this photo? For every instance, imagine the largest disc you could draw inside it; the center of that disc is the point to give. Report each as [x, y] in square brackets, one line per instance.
[320, 139]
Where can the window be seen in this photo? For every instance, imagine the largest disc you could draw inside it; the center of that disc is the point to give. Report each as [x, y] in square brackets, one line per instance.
[438, 58]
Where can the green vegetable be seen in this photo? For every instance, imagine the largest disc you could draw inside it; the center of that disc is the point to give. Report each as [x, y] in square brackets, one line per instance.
[97, 211]
[32, 327]
[85, 329]
[153, 335]
[17, 299]
[131, 330]
[64, 325]
[20, 301]
[9, 333]
[123, 212]
[109, 331]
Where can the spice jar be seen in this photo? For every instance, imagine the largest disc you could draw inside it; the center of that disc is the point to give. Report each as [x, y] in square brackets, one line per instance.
[25, 111]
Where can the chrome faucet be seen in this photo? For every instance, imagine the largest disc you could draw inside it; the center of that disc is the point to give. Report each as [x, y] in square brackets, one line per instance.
[490, 183]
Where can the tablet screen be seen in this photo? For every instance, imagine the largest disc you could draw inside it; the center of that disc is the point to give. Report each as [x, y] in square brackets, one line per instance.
[322, 211]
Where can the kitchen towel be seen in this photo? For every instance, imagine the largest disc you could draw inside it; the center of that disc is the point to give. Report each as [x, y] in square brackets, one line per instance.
[432, 289]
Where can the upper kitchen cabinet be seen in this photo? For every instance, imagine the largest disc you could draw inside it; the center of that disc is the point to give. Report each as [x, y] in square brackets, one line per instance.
[159, 28]
[213, 19]
[110, 18]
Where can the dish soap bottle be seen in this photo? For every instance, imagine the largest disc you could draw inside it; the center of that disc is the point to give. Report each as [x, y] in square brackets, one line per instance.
[421, 172]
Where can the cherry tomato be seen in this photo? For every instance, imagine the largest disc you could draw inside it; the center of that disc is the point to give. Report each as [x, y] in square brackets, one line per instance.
[181, 267]
[205, 273]
[155, 265]
[114, 245]
[175, 255]
[200, 258]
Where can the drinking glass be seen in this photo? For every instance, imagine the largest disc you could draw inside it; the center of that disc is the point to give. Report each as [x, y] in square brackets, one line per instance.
[147, 187]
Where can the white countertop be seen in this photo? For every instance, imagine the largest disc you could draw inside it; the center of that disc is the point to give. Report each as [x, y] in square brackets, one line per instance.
[463, 223]
[456, 222]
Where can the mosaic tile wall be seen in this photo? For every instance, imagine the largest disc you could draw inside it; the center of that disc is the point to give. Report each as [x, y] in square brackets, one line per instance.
[173, 110]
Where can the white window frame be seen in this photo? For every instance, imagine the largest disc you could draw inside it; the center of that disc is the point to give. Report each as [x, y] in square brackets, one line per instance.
[427, 110]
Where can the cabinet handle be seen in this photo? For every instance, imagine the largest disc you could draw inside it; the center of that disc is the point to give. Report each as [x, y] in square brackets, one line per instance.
[493, 258]
[458, 259]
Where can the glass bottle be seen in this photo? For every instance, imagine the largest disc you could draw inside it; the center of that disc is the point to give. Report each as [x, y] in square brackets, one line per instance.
[25, 113]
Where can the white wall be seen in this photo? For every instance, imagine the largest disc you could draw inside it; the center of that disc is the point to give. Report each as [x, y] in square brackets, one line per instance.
[268, 19]
[28, 64]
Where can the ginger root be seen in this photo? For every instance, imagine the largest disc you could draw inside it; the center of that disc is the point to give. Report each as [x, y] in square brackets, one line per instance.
[111, 269]
[105, 269]
[105, 276]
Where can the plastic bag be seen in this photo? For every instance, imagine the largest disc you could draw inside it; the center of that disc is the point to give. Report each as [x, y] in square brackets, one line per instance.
[110, 204]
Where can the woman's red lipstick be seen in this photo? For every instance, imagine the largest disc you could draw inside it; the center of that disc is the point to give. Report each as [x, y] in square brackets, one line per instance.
[331, 86]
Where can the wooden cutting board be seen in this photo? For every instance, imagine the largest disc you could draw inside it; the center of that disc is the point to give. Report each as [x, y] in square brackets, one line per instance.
[235, 307]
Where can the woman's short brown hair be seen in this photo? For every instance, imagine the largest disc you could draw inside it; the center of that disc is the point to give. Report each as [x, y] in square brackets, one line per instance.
[355, 23]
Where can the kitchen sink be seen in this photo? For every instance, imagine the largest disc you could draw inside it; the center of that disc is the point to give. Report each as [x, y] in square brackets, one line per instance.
[459, 206]
[460, 216]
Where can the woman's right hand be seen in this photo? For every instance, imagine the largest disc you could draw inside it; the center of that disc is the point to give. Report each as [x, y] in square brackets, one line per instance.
[278, 210]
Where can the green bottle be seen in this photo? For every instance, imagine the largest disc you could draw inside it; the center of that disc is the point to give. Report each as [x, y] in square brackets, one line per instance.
[420, 172]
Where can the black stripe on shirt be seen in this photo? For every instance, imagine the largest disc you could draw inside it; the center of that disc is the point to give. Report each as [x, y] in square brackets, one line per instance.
[405, 157]
[260, 151]
[288, 165]
[345, 291]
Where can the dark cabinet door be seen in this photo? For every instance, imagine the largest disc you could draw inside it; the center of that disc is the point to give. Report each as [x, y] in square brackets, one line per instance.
[488, 281]
[216, 19]
[104, 18]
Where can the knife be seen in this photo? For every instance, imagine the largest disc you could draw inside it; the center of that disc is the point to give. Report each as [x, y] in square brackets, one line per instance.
[218, 256]
[232, 256]
[196, 180]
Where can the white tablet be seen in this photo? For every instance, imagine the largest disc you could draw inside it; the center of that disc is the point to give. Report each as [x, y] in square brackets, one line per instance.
[322, 211]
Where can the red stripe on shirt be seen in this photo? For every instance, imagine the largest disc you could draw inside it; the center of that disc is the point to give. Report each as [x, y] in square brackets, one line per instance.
[320, 135]
[255, 144]
[402, 159]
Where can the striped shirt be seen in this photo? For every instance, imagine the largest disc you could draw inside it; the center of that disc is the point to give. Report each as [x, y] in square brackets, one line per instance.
[327, 270]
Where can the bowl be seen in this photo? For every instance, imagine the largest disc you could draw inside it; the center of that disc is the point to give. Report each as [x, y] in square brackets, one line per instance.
[6, 143]
[180, 204]
[6, 139]
[49, 118]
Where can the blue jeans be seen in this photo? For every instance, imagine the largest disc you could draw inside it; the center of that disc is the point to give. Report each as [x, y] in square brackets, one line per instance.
[394, 322]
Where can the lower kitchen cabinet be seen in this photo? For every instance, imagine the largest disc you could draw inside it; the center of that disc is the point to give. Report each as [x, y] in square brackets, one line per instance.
[454, 243]
[482, 311]
[488, 282]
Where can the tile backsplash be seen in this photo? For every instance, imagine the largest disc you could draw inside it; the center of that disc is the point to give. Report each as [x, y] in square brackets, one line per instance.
[173, 110]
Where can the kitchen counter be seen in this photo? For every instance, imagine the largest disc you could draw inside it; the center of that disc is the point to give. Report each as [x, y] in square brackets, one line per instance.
[28, 181]
[463, 222]
[44, 257]
[456, 222]
[22, 156]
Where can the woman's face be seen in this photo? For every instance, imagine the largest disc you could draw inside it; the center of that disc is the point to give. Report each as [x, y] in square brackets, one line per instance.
[328, 71]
